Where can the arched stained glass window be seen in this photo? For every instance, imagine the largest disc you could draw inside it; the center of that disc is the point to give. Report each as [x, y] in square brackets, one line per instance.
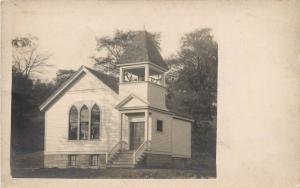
[84, 123]
[73, 123]
[95, 123]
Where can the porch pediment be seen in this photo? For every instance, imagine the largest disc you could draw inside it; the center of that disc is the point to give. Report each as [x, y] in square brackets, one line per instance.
[131, 101]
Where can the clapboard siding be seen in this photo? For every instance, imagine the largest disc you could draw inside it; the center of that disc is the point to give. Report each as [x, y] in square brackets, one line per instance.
[139, 89]
[181, 138]
[151, 93]
[161, 141]
[157, 96]
[87, 89]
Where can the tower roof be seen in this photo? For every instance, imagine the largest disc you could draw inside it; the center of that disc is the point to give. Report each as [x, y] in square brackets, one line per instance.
[141, 49]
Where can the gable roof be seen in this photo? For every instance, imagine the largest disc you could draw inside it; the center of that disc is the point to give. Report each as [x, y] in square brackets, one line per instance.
[108, 80]
[142, 49]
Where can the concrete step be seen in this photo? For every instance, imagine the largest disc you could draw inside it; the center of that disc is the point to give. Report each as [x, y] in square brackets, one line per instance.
[120, 166]
[127, 151]
[122, 162]
[123, 157]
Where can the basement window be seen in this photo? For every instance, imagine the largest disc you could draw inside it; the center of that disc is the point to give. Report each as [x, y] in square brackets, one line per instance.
[94, 160]
[72, 160]
[159, 125]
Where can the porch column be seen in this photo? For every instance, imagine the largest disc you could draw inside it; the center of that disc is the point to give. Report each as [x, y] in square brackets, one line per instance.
[150, 126]
[163, 77]
[146, 72]
[121, 130]
[149, 129]
[121, 75]
[121, 121]
[146, 126]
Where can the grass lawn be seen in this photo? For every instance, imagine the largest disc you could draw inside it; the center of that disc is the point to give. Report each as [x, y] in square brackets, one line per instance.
[30, 166]
[112, 173]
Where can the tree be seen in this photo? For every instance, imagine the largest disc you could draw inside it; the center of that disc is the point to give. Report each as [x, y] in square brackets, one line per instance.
[62, 75]
[112, 49]
[192, 90]
[27, 60]
[194, 75]
[26, 63]
[41, 91]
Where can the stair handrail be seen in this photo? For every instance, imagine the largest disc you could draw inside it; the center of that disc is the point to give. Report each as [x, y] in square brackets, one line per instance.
[113, 151]
[137, 153]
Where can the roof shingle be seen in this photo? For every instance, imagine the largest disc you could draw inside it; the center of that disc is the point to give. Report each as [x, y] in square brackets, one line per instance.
[110, 81]
[141, 49]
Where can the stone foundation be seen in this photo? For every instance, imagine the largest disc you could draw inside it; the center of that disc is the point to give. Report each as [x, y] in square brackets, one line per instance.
[83, 161]
[62, 161]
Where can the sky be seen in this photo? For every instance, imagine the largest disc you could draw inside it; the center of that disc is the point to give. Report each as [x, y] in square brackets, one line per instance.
[68, 30]
[258, 77]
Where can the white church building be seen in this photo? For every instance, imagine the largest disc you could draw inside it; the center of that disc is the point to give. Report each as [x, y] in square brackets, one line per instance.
[96, 120]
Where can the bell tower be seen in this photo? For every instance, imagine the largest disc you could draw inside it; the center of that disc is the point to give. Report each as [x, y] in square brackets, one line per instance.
[142, 72]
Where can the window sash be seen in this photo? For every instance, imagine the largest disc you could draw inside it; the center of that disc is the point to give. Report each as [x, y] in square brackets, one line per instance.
[84, 125]
[73, 123]
[84, 130]
[95, 123]
[95, 131]
[73, 132]
[94, 160]
[72, 160]
[159, 125]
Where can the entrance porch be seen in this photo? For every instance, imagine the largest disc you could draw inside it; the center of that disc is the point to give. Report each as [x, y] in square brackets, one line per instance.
[135, 139]
[135, 131]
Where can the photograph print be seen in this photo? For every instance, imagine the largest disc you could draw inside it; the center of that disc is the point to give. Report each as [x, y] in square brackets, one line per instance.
[112, 94]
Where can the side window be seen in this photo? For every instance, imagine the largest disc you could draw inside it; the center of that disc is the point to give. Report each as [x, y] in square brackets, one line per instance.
[159, 125]
[95, 122]
[84, 123]
[73, 123]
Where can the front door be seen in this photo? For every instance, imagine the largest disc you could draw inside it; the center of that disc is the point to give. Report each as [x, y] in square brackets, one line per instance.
[136, 134]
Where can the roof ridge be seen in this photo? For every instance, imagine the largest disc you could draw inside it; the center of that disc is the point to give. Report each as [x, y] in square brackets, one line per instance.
[99, 71]
[109, 80]
[146, 44]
